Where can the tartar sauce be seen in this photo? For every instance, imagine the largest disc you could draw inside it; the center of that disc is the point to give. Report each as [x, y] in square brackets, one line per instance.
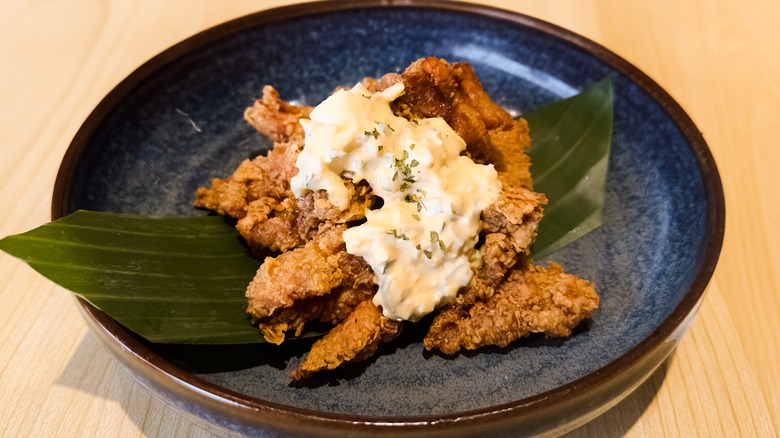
[420, 242]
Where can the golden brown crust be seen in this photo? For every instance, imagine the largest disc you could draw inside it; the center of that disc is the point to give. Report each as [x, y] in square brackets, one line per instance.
[533, 299]
[309, 271]
[516, 213]
[434, 88]
[275, 118]
[291, 222]
[355, 339]
[291, 319]
[508, 154]
[264, 176]
[333, 308]
[357, 285]
[269, 215]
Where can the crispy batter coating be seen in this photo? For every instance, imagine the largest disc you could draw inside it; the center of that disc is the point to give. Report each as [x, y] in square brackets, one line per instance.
[357, 285]
[516, 213]
[266, 176]
[509, 156]
[334, 308]
[310, 271]
[533, 299]
[498, 257]
[291, 222]
[435, 88]
[269, 215]
[292, 319]
[355, 339]
[275, 118]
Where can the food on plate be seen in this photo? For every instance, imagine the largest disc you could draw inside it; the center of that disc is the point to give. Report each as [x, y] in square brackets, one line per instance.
[401, 196]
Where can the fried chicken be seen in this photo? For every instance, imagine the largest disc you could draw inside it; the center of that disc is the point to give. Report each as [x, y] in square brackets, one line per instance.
[266, 176]
[314, 278]
[309, 271]
[533, 299]
[356, 339]
[275, 118]
[509, 227]
[334, 308]
[288, 223]
[435, 88]
[508, 149]
[258, 193]
[508, 298]
[319, 281]
[516, 213]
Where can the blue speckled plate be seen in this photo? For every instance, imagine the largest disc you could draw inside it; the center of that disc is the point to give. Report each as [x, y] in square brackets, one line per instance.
[177, 122]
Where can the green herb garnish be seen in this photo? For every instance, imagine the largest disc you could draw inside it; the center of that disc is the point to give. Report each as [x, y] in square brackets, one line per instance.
[436, 241]
[395, 234]
[373, 133]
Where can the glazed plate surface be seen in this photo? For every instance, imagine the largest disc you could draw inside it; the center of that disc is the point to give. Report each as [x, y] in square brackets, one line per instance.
[177, 122]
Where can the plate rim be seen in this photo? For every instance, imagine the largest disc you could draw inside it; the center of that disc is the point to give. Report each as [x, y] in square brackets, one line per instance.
[523, 407]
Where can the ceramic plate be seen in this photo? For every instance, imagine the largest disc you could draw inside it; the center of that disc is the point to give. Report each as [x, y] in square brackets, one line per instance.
[176, 122]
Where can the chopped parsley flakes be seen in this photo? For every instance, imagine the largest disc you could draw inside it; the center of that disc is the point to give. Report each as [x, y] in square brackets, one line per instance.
[373, 133]
[395, 234]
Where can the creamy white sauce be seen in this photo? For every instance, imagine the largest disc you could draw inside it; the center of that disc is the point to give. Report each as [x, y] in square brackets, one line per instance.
[420, 243]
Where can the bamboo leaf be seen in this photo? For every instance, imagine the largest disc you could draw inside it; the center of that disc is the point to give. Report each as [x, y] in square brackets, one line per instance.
[570, 152]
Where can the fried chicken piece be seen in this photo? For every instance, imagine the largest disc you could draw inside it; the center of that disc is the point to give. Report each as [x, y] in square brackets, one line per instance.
[498, 257]
[505, 298]
[294, 318]
[516, 213]
[258, 194]
[277, 119]
[434, 88]
[334, 308]
[314, 270]
[291, 222]
[355, 339]
[356, 287]
[511, 224]
[309, 271]
[533, 299]
[264, 176]
[508, 150]
[274, 224]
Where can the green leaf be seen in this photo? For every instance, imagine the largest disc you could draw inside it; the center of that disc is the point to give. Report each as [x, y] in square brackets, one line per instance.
[570, 152]
[175, 280]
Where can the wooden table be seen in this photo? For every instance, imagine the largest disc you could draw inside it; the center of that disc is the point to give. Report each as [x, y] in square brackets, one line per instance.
[718, 58]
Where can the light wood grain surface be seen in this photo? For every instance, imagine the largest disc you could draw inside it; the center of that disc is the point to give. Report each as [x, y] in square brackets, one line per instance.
[718, 58]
